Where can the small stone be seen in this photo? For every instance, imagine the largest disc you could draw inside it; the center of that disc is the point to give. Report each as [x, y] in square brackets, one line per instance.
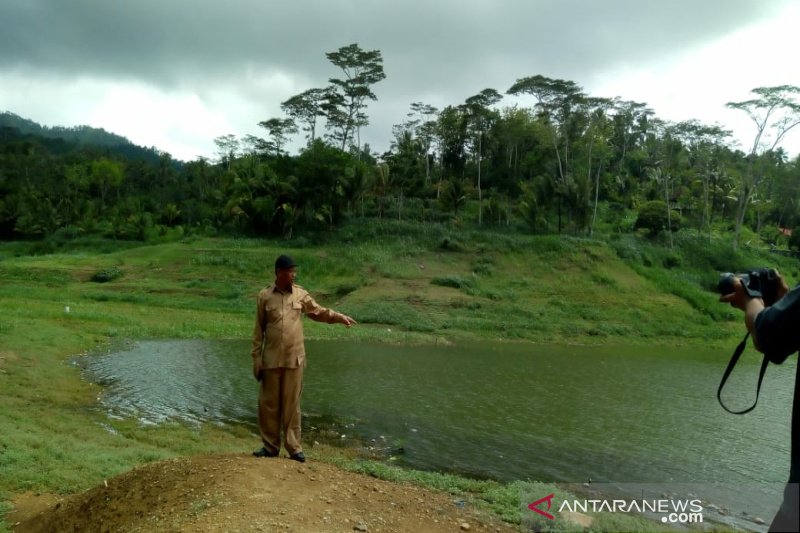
[464, 526]
[758, 520]
[360, 527]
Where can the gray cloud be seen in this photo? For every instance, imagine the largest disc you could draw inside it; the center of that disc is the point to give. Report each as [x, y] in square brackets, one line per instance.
[164, 42]
[440, 51]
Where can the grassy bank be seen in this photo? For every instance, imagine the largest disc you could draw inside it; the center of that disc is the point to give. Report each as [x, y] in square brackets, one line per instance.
[424, 283]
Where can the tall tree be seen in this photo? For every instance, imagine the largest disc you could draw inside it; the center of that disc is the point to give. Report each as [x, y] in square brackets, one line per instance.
[480, 117]
[362, 69]
[227, 148]
[305, 108]
[775, 111]
[630, 125]
[598, 133]
[556, 101]
[279, 129]
[405, 166]
[451, 138]
[703, 143]
[425, 116]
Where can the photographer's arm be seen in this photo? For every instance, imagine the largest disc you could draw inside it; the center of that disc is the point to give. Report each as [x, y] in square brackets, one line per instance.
[777, 327]
[774, 328]
[751, 307]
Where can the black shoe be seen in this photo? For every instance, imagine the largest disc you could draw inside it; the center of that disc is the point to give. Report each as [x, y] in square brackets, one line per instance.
[264, 452]
[299, 457]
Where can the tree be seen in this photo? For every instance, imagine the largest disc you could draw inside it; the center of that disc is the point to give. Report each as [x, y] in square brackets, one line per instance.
[253, 145]
[322, 172]
[451, 139]
[228, 147]
[703, 143]
[405, 172]
[454, 195]
[774, 112]
[425, 117]
[556, 101]
[361, 69]
[479, 118]
[305, 108]
[647, 216]
[106, 174]
[278, 129]
[653, 217]
[598, 133]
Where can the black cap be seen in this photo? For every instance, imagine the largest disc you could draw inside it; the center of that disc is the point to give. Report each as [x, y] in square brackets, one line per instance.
[284, 261]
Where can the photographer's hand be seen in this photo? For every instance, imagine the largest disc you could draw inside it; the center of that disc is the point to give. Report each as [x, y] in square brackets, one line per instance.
[738, 298]
[751, 306]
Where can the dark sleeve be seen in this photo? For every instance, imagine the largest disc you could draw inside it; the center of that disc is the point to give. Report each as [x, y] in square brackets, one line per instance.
[777, 328]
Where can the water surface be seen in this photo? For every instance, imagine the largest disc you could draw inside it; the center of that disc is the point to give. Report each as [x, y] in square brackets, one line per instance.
[502, 410]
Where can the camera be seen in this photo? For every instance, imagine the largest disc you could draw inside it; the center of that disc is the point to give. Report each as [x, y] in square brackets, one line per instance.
[759, 283]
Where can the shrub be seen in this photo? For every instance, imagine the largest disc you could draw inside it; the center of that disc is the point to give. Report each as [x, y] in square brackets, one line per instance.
[106, 275]
[454, 282]
[653, 217]
[451, 244]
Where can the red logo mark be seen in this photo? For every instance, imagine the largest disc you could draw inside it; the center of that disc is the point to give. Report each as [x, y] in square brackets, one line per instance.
[549, 500]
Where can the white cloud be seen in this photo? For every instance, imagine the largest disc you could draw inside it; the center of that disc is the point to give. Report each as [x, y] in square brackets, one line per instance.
[697, 84]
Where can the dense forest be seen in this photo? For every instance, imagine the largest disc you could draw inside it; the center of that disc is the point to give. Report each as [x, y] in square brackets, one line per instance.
[570, 163]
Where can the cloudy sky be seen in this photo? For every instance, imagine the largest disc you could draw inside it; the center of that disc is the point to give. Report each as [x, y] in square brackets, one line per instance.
[175, 74]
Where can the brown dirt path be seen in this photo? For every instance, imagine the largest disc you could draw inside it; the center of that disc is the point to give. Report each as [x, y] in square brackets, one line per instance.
[233, 493]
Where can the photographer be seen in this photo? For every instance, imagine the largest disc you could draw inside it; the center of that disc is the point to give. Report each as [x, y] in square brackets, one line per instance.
[775, 328]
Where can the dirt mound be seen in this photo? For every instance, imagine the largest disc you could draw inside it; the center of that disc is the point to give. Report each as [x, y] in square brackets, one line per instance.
[241, 493]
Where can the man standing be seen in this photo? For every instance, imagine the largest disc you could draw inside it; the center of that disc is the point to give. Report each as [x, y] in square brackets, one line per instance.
[279, 357]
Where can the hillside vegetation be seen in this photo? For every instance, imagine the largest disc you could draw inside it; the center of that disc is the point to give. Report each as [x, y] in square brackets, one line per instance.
[425, 280]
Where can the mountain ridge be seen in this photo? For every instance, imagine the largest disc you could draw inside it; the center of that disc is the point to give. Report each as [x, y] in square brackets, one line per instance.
[81, 135]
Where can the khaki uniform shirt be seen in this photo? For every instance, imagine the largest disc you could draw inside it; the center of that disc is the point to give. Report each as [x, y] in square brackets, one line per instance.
[279, 316]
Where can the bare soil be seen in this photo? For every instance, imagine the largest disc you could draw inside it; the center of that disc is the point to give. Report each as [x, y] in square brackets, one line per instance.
[234, 493]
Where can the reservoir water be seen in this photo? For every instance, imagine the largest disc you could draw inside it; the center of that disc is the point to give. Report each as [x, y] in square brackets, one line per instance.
[506, 411]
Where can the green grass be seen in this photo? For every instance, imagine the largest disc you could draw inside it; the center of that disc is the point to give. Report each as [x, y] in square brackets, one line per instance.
[506, 500]
[404, 283]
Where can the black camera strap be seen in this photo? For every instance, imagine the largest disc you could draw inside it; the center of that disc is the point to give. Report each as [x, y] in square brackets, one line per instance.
[735, 359]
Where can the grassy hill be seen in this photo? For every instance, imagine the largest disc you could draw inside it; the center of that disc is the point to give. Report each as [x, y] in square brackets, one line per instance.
[424, 281]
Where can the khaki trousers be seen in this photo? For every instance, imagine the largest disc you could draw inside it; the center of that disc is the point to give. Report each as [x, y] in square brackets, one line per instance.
[279, 408]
